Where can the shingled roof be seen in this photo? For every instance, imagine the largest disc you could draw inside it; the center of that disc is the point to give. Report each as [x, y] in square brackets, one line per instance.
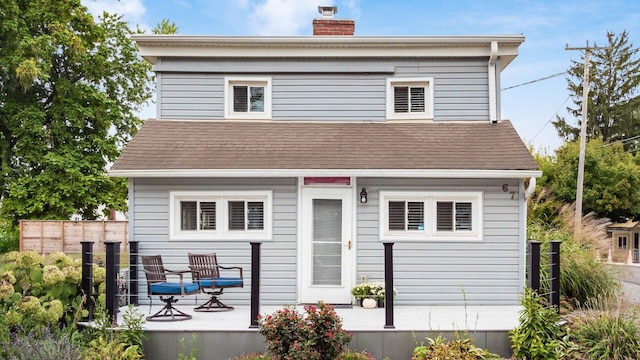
[218, 145]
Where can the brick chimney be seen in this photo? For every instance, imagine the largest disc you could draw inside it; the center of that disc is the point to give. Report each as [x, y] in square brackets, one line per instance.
[327, 25]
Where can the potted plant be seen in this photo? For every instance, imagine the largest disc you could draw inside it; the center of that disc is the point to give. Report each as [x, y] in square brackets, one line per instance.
[370, 290]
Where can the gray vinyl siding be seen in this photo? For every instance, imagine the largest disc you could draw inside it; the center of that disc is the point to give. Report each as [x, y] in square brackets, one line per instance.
[486, 272]
[324, 90]
[150, 208]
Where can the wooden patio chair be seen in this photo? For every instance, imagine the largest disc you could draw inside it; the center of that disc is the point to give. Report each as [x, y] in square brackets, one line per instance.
[205, 272]
[157, 284]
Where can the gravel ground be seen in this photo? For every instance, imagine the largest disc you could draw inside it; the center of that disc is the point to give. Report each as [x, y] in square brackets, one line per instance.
[631, 292]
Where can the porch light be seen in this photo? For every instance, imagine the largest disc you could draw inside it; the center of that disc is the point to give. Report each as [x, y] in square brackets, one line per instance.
[363, 196]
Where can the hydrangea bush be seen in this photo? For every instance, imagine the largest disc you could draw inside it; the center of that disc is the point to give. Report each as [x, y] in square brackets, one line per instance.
[38, 290]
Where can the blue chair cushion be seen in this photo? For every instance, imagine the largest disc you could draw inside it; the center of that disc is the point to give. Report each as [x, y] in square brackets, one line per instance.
[173, 288]
[221, 282]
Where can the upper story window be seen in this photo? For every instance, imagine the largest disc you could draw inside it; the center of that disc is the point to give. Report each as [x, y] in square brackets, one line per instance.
[248, 97]
[410, 98]
[220, 215]
[431, 215]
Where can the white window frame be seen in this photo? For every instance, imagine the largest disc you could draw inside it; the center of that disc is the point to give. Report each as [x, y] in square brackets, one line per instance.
[231, 81]
[222, 231]
[426, 82]
[430, 199]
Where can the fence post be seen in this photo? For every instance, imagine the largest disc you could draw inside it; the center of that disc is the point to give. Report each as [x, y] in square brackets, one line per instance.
[554, 274]
[388, 286]
[87, 276]
[534, 265]
[133, 272]
[255, 284]
[113, 268]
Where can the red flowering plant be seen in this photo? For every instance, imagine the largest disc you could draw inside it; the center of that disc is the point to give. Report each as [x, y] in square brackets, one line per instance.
[316, 336]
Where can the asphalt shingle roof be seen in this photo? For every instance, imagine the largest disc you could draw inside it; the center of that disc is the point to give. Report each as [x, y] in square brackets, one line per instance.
[215, 144]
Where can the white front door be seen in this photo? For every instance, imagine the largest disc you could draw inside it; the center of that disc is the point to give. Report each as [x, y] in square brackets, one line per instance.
[326, 244]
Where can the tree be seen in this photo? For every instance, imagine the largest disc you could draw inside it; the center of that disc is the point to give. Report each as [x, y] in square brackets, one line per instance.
[614, 82]
[70, 88]
[612, 177]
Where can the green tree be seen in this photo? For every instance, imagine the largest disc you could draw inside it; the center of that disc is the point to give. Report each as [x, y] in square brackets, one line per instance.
[70, 88]
[165, 26]
[611, 178]
[614, 82]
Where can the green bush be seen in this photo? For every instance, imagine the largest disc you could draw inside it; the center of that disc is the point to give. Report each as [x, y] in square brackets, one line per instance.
[318, 335]
[603, 335]
[538, 335]
[9, 237]
[456, 349]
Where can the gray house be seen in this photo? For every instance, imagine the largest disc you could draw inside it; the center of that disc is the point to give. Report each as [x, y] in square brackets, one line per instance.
[325, 147]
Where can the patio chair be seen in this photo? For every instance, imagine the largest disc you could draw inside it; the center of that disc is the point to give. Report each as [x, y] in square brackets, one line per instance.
[157, 284]
[205, 272]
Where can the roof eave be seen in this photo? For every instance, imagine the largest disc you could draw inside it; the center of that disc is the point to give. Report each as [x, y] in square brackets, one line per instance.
[153, 47]
[408, 173]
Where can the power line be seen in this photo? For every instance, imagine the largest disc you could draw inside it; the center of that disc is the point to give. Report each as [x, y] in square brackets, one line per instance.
[551, 118]
[535, 81]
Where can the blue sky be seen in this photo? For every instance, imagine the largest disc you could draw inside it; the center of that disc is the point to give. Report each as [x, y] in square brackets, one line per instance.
[547, 25]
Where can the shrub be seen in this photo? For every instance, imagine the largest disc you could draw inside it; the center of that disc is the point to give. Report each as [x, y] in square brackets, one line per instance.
[41, 344]
[605, 335]
[539, 333]
[256, 356]
[456, 349]
[360, 355]
[318, 335]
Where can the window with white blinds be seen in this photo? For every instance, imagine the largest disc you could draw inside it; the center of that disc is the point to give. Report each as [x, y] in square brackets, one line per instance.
[248, 97]
[410, 98]
[431, 215]
[221, 215]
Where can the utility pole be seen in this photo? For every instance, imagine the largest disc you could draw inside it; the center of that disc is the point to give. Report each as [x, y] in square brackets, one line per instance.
[583, 135]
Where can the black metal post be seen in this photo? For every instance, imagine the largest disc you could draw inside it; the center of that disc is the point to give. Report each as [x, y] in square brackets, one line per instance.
[255, 284]
[113, 268]
[534, 265]
[554, 274]
[388, 286]
[133, 272]
[87, 276]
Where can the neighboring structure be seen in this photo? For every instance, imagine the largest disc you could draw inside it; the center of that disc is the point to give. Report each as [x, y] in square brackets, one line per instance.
[625, 241]
[325, 147]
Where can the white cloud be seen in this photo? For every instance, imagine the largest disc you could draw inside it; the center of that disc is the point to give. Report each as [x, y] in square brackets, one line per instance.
[283, 17]
[133, 11]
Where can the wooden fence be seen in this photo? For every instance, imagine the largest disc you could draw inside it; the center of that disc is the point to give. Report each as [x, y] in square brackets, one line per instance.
[47, 236]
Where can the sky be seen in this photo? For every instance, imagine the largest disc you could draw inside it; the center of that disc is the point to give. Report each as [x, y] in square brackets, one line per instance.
[529, 100]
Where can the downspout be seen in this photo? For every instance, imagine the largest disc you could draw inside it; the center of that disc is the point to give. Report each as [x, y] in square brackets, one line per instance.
[530, 189]
[493, 98]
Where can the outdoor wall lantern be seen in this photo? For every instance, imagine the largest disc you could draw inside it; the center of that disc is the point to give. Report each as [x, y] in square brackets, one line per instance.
[363, 196]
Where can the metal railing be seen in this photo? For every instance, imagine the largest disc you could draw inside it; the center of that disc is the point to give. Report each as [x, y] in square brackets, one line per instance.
[554, 270]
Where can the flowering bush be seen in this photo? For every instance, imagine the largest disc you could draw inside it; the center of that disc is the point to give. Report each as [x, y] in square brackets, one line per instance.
[316, 336]
[37, 290]
[374, 290]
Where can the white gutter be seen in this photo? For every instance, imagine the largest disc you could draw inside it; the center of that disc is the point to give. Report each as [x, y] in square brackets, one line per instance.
[493, 99]
[410, 173]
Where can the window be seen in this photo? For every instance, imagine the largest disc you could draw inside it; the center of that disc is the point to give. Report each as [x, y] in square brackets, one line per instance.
[431, 215]
[410, 98]
[622, 242]
[248, 98]
[220, 215]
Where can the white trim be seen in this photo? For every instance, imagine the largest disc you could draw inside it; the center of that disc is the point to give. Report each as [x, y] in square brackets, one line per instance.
[409, 173]
[221, 232]
[493, 102]
[153, 47]
[229, 81]
[426, 82]
[430, 198]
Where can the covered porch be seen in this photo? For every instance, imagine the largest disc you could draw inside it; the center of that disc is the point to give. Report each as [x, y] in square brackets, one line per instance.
[226, 335]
